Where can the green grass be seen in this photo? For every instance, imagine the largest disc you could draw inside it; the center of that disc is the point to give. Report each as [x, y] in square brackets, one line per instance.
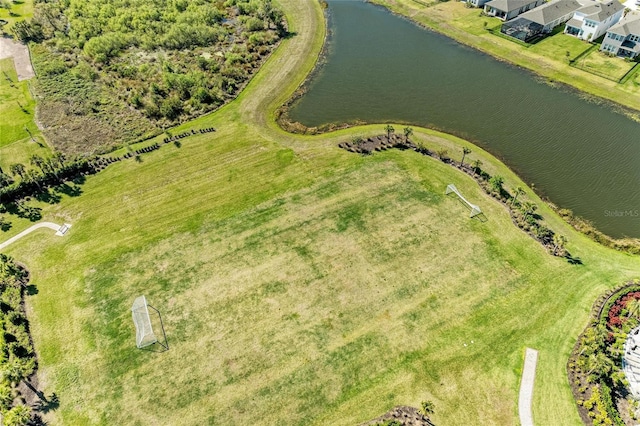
[600, 63]
[20, 10]
[17, 109]
[299, 283]
[556, 47]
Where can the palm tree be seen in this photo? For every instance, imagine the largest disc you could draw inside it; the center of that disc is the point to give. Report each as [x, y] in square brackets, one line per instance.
[633, 306]
[518, 191]
[598, 365]
[496, 183]
[427, 407]
[389, 129]
[558, 243]
[465, 151]
[17, 169]
[528, 208]
[37, 161]
[408, 131]
[476, 165]
[20, 415]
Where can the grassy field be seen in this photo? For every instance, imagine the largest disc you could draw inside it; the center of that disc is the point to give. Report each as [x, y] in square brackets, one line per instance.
[20, 10]
[299, 283]
[17, 109]
[547, 58]
[598, 62]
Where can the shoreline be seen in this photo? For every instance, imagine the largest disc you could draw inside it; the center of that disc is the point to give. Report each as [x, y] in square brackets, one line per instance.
[625, 244]
[593, 88]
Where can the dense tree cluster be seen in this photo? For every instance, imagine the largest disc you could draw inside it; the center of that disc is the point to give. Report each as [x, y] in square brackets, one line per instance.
[168, 59]
[17, 358]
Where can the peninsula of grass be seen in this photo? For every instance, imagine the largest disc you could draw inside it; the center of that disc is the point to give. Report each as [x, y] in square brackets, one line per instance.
[299, 283]
[548, 58]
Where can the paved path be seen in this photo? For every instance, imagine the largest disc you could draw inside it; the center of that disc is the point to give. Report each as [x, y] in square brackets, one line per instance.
[20, 54]
[526, 387]
[60, 231]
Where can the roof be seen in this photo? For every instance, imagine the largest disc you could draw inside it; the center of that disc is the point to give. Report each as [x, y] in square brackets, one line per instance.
[627, 26]
[551, 11]
[597, 11]
[509, 5]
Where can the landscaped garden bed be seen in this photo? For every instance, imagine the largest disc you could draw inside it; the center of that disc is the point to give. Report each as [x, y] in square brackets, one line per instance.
[595, 370]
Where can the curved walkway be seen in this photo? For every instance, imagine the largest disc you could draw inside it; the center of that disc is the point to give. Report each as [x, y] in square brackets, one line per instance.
[526, 387]
[60, 231]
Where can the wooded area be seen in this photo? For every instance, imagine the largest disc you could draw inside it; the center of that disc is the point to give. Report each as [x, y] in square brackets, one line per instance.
[115, 71]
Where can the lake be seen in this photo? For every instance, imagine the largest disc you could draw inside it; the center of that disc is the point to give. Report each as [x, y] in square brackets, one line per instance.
[380, 67]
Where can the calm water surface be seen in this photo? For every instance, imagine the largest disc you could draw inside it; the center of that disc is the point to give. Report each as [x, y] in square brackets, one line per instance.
[381, 67]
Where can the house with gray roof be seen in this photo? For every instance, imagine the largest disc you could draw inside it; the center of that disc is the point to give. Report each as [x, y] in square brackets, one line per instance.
[593, 19]
[552, 14]
[623, 39]
[541, 20]
[509, 9]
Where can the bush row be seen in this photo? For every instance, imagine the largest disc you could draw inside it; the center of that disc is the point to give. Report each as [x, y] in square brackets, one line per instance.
[17, 357]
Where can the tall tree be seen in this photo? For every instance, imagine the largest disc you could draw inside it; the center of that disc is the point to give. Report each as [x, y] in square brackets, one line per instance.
[517, 192]
[496, 183]
[389, 129]
[37, 161]
[408, 131]
[465, 151]
[476, 166]
[529, 208]
[17, 169]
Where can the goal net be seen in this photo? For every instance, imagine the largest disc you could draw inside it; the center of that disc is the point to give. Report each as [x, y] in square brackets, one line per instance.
[475, 210]
[142, 320]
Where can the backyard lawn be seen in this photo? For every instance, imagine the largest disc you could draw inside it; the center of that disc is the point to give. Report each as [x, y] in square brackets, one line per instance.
[301, 284]
[602, 64]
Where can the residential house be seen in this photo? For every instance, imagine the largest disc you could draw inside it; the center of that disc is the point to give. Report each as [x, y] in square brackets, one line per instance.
[476, 3]
[541, 20]
[623, 39]
[593, 19]
[509, 9]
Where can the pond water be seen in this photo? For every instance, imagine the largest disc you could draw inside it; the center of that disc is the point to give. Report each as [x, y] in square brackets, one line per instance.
[380, 67]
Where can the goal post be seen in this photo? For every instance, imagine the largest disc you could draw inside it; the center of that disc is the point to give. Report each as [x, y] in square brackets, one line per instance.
[475, 210]
[145, 335]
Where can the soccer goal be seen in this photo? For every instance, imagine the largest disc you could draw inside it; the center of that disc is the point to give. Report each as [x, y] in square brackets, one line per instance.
[145, 335]
[475, 210]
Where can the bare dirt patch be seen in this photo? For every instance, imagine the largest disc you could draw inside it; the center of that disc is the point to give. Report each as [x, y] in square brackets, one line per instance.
[20, 54]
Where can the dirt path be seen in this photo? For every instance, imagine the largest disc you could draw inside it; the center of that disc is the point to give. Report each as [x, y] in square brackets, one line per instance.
[20, 54]
[60, 231]
[526, 387]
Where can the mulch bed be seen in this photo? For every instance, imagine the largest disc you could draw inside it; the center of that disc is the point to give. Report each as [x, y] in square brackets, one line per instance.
[378, 143]
[407, 416]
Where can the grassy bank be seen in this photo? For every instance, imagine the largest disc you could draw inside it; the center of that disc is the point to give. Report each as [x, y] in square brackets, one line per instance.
[547, 58]
[299, 283]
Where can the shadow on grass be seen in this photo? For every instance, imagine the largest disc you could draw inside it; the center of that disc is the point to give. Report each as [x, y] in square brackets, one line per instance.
[47, 196]
[66, 189]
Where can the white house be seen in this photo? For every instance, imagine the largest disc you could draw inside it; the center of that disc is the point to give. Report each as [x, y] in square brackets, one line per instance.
[594, 18]
[623, 39]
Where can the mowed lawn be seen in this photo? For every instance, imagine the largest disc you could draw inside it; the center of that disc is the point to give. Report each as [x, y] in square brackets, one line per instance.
[17, 109]
[300, 284]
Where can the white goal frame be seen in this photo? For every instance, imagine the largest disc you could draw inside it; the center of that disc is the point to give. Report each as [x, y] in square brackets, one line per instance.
[145, 335]
[475, 210]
